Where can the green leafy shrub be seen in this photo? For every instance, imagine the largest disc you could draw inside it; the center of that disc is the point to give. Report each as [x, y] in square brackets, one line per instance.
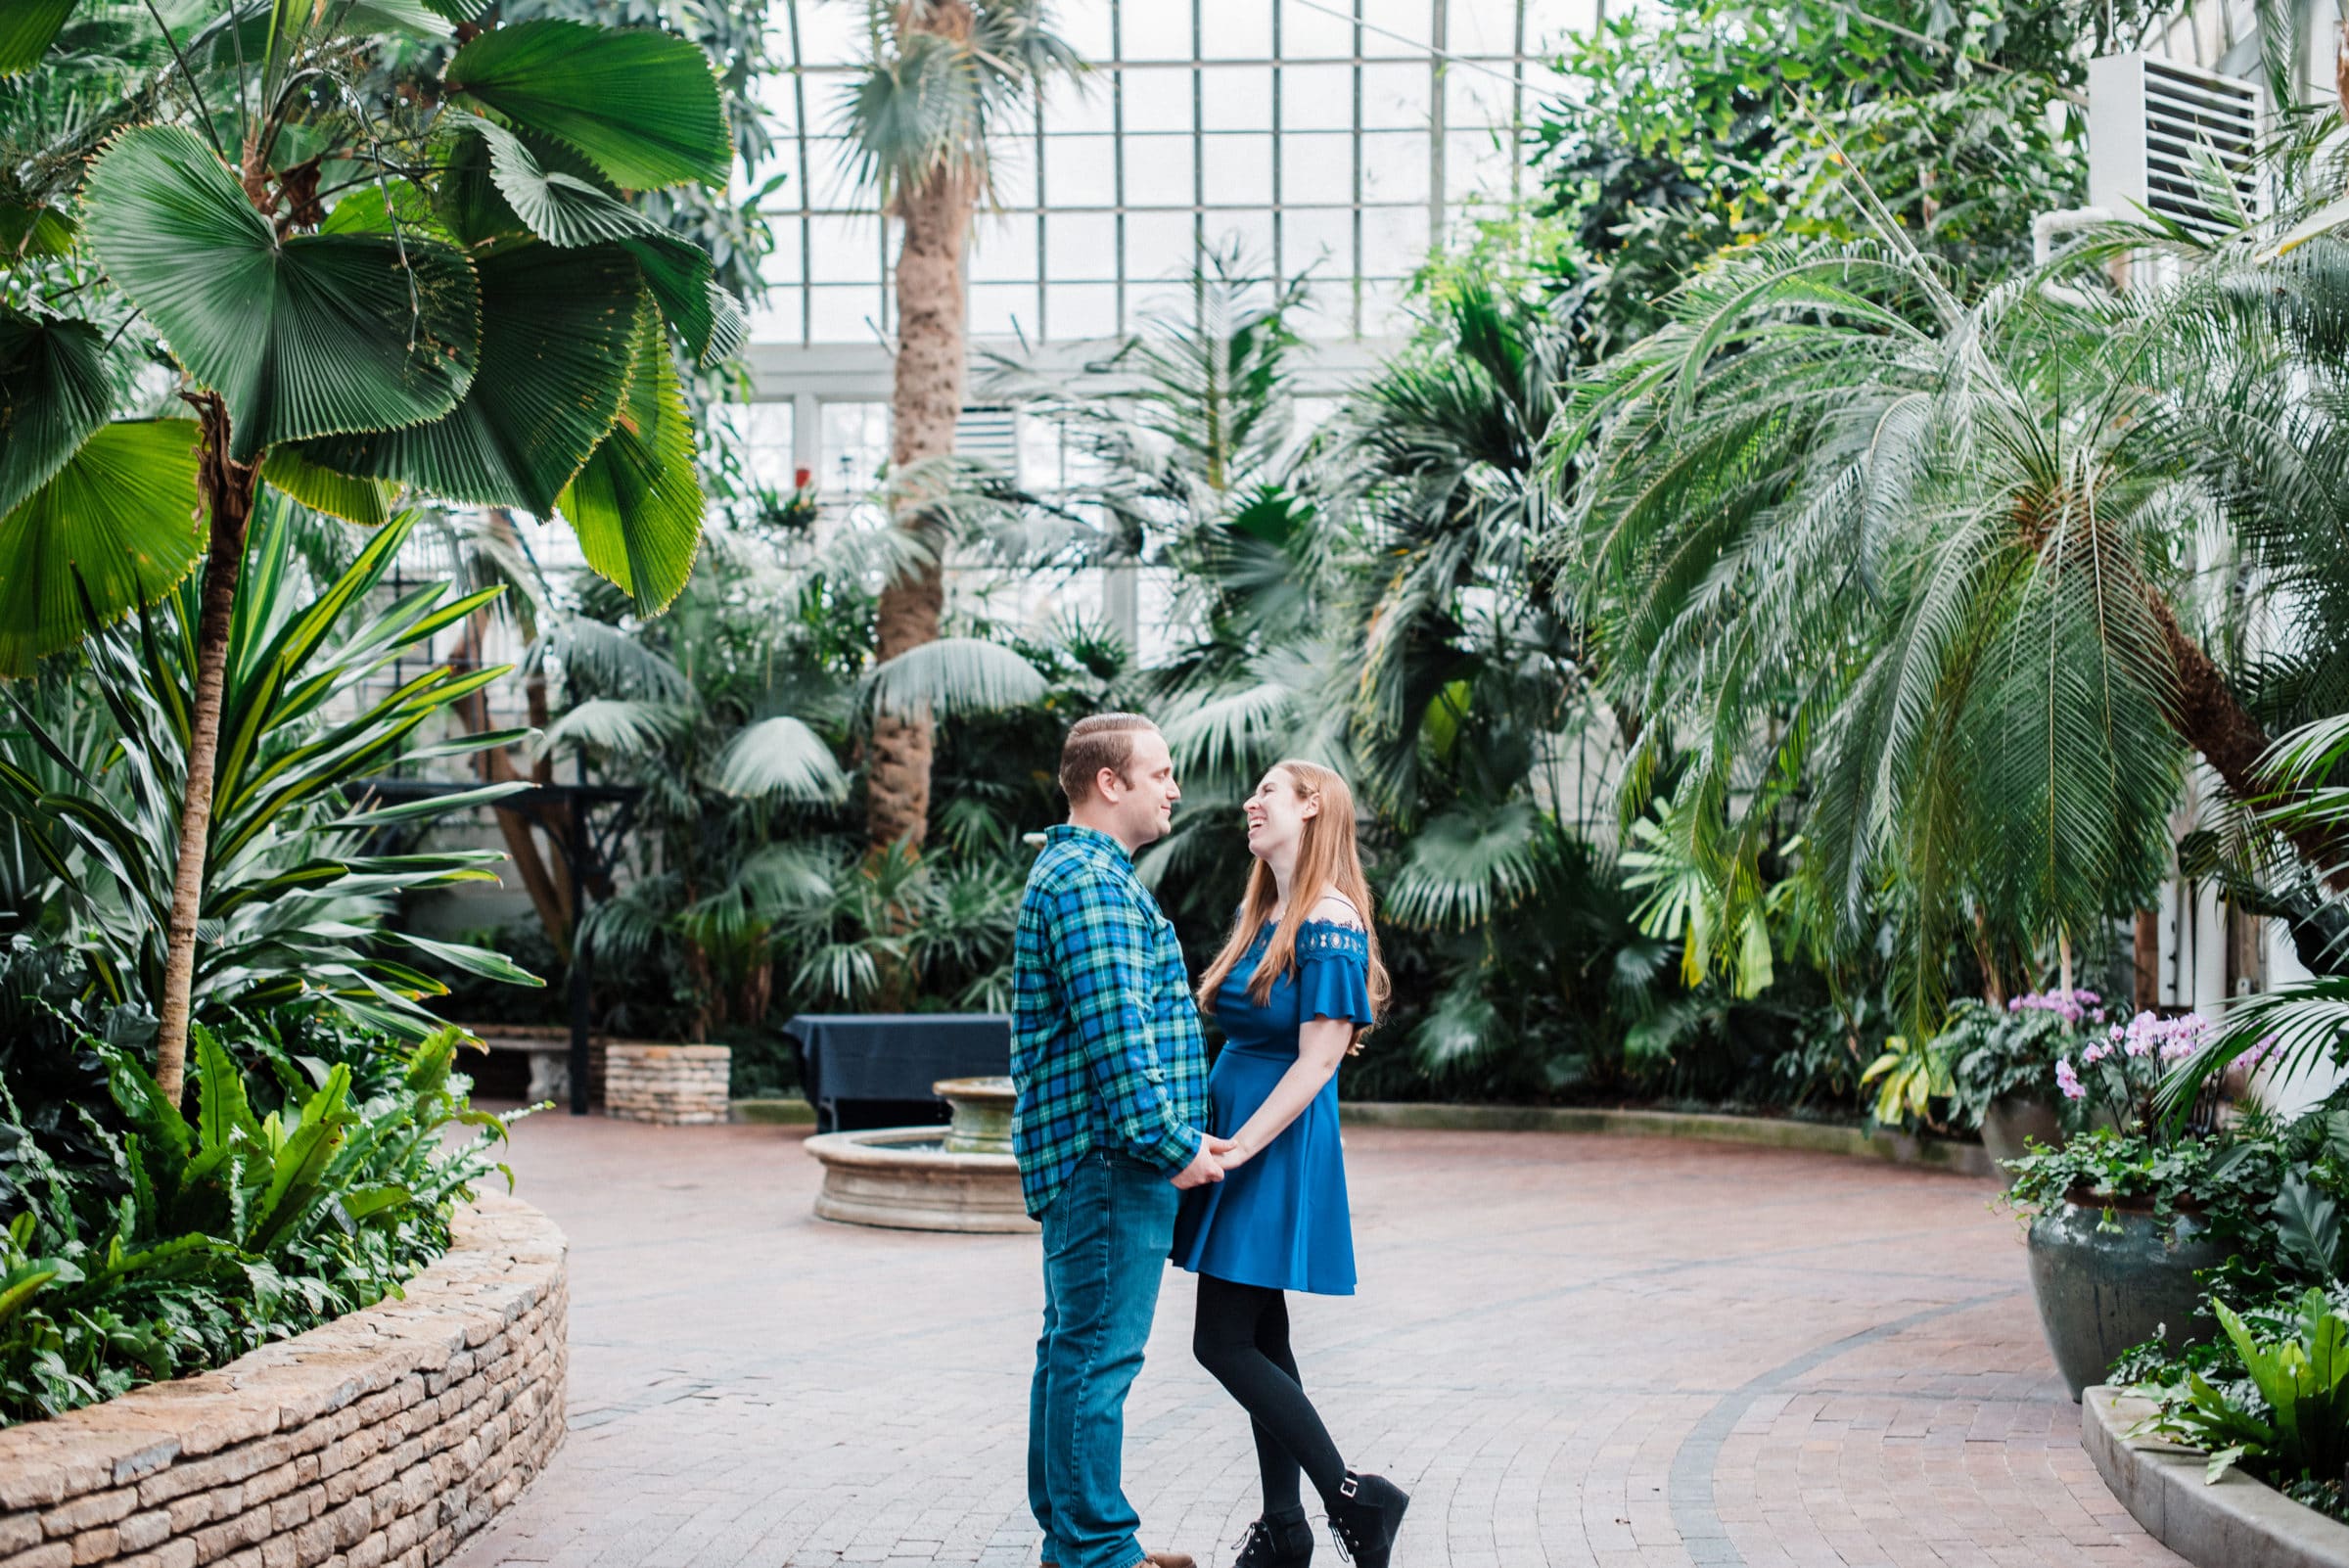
[2286, 1417]
[2227, 1179]
[308, 1183]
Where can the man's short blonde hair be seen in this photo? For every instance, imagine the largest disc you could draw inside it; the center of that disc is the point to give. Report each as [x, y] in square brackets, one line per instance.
[1105, 740]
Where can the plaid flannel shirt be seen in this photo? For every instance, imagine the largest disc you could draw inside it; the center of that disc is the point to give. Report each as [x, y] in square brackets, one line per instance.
[1105, 1042]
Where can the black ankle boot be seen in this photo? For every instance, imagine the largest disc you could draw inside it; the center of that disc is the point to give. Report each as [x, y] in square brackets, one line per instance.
[1364, 1516]
[1277, 1543]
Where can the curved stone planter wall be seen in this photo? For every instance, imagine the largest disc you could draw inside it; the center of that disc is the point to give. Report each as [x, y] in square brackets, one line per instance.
[386, 1437]
[2238, 1523]
[1818, 1137]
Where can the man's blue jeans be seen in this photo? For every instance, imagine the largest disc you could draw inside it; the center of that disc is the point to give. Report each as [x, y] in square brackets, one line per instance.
[1106, 1236]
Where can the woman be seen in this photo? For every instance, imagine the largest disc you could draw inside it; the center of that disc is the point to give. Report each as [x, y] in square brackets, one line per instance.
[1295, 987]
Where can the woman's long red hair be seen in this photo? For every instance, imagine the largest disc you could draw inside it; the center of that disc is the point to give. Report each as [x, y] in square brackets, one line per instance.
[1327, 862]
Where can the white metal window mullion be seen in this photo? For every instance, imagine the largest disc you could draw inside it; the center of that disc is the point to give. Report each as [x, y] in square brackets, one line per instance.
[1198, 143]
[1116, 150]
[799, 137]
[1356, 268]
[1279, 191]
[1041, 205]
[1517, 108]
[1438, 33]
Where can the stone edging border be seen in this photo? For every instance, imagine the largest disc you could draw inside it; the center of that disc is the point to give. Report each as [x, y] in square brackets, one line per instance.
[786, 1112]
[1817, 1137]
[2238, 1523]
[384, 1437]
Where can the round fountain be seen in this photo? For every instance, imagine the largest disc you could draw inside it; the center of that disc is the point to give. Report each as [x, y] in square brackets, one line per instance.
[960, 1177]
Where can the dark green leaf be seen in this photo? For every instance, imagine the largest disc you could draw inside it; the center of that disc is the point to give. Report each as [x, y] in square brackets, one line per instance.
[54, 392]
[557, 330]
[26, 28]
[637, 505]
[364, 502]
[316, 334]
[706, 316]
[642, 105]
[117, 522]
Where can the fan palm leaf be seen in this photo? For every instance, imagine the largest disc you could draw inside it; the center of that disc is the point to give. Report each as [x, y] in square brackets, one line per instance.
[781, 758]
[954, 675]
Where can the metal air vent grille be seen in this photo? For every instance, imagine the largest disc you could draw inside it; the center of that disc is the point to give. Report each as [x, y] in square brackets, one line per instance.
[2156, 127]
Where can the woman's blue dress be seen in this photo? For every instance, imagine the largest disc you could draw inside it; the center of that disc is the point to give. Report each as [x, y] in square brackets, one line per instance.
[1279, 1221]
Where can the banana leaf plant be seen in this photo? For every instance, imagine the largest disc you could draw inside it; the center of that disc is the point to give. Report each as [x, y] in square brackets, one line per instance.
[374, 264]
[292, 899]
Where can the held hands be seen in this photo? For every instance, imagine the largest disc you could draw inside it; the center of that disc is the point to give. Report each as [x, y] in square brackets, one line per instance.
[1210, 1163]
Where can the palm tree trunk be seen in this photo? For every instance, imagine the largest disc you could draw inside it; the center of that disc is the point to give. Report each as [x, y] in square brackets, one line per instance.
[227, 489]
[2208, 717]
[497, 767]
[925, 401]
[2144, 961]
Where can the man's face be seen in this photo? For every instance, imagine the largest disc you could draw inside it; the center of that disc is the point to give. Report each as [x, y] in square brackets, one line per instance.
[1144, 800]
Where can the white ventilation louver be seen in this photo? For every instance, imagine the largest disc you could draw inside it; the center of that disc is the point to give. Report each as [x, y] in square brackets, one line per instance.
[991, 435]
[2150, 121]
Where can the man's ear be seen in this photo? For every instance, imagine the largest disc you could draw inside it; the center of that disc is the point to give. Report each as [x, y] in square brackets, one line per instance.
[1106, 781]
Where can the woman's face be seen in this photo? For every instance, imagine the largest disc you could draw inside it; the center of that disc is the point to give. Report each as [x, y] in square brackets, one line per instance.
[1277, 815]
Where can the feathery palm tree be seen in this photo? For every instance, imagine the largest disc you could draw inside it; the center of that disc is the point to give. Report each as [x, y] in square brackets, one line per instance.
[924, 123]
[1941, 559]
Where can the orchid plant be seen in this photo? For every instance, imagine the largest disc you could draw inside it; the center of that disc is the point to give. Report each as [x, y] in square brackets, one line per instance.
[2119, 1075]
[2133, 1155]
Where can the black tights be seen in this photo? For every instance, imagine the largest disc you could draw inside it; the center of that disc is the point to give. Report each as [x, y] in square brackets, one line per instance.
[1242, 1336]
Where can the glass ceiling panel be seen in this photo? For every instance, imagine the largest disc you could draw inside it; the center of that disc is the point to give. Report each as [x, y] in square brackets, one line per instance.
[1329, 137]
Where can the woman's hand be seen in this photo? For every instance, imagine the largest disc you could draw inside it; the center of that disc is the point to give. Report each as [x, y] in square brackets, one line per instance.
[1236, 1155]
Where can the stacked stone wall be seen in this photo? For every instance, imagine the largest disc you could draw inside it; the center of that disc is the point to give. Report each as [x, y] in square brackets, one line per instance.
[677, 1085]
[383, 1437]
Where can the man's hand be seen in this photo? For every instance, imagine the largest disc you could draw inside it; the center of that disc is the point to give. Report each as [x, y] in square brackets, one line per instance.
[1205, 1165]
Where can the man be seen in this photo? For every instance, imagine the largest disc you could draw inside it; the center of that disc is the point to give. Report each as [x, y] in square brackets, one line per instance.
[1112, 1078]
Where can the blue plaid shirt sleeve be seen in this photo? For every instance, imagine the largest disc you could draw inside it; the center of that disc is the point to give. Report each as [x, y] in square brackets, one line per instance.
[1107, 956]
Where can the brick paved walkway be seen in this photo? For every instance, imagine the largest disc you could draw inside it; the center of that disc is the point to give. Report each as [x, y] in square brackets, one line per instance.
[1626, 1353]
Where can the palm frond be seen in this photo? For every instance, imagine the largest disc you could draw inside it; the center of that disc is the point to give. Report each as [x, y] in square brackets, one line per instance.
[781, 758]
[953, 676]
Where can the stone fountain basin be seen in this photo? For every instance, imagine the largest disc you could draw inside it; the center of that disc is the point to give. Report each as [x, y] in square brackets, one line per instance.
[903, 1178]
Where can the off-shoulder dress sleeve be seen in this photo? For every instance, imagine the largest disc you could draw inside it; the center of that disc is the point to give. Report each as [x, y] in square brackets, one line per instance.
[1333, 972]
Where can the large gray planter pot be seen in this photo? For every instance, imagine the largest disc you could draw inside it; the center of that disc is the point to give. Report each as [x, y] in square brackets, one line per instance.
[2102, 1291]
[2012, 1121]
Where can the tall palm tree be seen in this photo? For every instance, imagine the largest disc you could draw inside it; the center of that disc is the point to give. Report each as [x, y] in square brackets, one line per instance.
[945, 76]
[364, 289]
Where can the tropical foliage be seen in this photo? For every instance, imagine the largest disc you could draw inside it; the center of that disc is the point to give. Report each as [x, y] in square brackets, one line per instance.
[313, 1178]
[1701, 125]
[2292, 1422]
[2013, 1053]
[365, 274]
